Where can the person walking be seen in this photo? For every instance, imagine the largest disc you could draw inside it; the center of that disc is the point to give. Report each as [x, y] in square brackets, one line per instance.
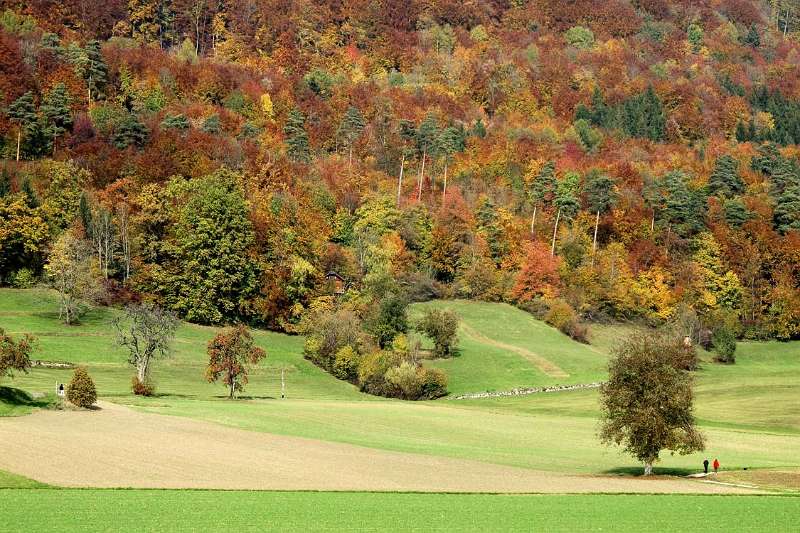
[716, 465]
[705, 466]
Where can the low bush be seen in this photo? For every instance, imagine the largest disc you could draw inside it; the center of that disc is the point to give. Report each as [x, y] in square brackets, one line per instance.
[433, 383]
[563, 317]
[345, 366]
[81, 390]
[142, 388]
[23, 279]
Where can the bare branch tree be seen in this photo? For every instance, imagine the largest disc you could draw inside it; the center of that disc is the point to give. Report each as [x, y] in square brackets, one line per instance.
[146, 330]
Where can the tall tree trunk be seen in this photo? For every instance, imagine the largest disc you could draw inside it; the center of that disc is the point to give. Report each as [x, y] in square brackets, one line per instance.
[350, 161]
[594, 243]
[421, 177]
[400, 179]
[19, 140]
[555, 231]
[444, 190]
[533, 221]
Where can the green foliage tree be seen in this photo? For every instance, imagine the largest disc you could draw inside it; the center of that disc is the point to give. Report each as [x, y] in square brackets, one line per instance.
[580, 37]
[129, 131]
[647, 402]
[207, 274]
[56, 111]
[567, 195]
[695, 35]
[22, 112]
[441, 326]
[725, 181]
[69, 271]
[229, 355]
[15, 355]
[296, 137]
[724, 343]
[350, 130]
[388, 320]
[146, 330]
[600, 197]
[683, 209]
[176, 122]
[541, 191]
[735, 212]
[81, 390]
[752, 39]
[643, 116]
[787, 209]
[212, 125]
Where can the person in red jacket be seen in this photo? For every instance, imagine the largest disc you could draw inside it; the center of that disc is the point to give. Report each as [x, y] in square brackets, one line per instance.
[716, 465]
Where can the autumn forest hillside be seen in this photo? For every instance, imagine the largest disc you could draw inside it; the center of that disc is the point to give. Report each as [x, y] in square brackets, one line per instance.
[272, 162]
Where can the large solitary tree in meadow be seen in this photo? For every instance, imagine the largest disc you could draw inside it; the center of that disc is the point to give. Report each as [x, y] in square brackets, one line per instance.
[230, 353]
[647, 400]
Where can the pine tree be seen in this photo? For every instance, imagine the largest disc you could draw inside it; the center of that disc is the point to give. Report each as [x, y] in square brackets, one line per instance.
[23, 112]
[96, 71]
[448, 142]
[296, 137]
[735, 212]
[787, 210]
[129, 132]
[600, 197]
[426, 143]
[683, 209]
[752, 39]
[56, 112]
[85, 214]
[350, 130]
[725, 181]
[643, 116]
[31, 198]
[5, 183]
[542, 189]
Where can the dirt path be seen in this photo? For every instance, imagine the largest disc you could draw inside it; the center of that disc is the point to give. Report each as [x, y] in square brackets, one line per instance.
[120, 447]
[545, 365]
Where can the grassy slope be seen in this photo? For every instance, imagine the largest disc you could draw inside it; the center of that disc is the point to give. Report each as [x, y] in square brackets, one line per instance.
[553, 432]
[92, 343]
[483, 366]
[147, 510]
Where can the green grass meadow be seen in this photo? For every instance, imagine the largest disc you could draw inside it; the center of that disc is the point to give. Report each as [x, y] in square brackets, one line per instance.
[749, 412]
[170, 510]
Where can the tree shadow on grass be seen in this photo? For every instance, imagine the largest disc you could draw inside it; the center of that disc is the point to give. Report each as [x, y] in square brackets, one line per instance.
[243, 397]
[18, 397]
[638, 471]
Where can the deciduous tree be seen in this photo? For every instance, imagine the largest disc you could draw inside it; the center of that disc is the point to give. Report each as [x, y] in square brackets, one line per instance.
[647, 402]
[230, 353]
